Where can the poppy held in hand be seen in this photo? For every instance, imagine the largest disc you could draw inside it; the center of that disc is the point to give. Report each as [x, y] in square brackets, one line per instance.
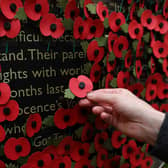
[35, 9]
[5, 93]
[33, 124]
[10, 7]
[80, 86]
[51, 26]
[15, 148]
[9, 111]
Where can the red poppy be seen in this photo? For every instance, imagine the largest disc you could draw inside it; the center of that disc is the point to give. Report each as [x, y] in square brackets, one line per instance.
[100, 124]
[152, 65]
[110, 64]
[95, 73]
[96, 28]
[147, 162]
[66, 146]
[120, 44]
[64, 118]
[136, 88]
[102, 11]
[86, 12]
[35, 9]
[109, 78]
[165, 66]
[129, 149]
[40, 159]
[9, 111]
[154, 79]
[83, 163]
[33, 124]
[148, 20]
[111, 38]
[162, 25]
[9, 28]
[151, 92]
[80, 151]
[116, 20]
[71, 10]
[136, 158]
[132, 11]
[117, 140]
[135, 30]
[51, 26]
[15, 148]
[102, 156]
[129, 1]
[165, 9]
[2, 134]
[138, 68]
[160, 49]
[128, 59]
[52, 150]
[123, 79]
[10, 7]
[94, 52]
[164, 108]
[87, 132]
[80, 86]
[2, 164]
[5, 93]
[99, 140]
[112, 163]
[125, 165]
[80, 29]
[162, 91]
[61, 162]
[155, 106]
[140, 49]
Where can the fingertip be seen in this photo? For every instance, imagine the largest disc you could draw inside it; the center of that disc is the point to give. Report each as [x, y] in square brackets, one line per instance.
[85, 102]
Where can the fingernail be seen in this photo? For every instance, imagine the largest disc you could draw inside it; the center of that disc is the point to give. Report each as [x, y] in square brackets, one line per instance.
[90, 94]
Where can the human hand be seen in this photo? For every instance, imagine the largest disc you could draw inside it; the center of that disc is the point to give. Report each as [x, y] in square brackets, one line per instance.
[125, 111]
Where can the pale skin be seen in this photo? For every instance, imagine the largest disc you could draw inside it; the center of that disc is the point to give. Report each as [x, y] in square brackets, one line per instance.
[125, 111]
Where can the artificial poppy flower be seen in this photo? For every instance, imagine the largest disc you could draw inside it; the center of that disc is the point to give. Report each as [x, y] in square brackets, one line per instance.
[162, 91]
[111, 38]
[95, 73]
[151, 92]
[148, 20]
[136, 158]
[136, 89]
[87, 132]
[165, 66]
[86, 12]
[147, 162]
[159, 49]
[64, 118]
[132, 11]
[152, 65]
[2, 164]
[162, 25]
[100, 124]
[33, 124]
[9, 28]
[110, 64]
[71, 10]
[80, 86]
[5, 93]
[102, 11]
[9, 111]
[96, 28]
[165, 9]
[128, 59]
[94, 52]
[155, 106]
[129, 149]
[10, 7]
[80, 151]
[164, 108]
[51, 26]
[83, 163]
[116, 20]
[109, 78]
[2, 134]
[117, 140]
[135, 30]
[114, 162]
[52, 150]
[155, 79]
[120, 44]
[123, 79]
[129, 1]
[101, 158]
[61, 162]
[66, 146]
[99, 140]
[140, 49]
[138, 66]
[40, 159]
[80, 28]
[35, 9]
[16, 148]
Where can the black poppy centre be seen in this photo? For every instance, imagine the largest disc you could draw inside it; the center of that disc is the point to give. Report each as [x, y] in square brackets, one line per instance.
[96, 74]
[38, 8]
[81, 152]
[67, 147]
[165, 91]
[120, 46]
[152, 92]
[125, 80]
[7, 26]
[103, 157]
[101, 141]
[161, 50]
[66, 118]
[96, 53]
[34, 124]
[154, 81]
[137, 31]
[104, 13]
[18, 148]
[149, 20]
[6, 111]
[13, 7]
[118, 22]
[129, 150]
[161, 25]
[40, 163]
[81, 29]
[93, 29]
[84, 166]
[53, 27]
[82, 85]
[72, 14]
[62, 165]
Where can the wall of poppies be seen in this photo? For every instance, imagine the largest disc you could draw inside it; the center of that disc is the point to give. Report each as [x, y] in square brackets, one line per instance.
[124, 48]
